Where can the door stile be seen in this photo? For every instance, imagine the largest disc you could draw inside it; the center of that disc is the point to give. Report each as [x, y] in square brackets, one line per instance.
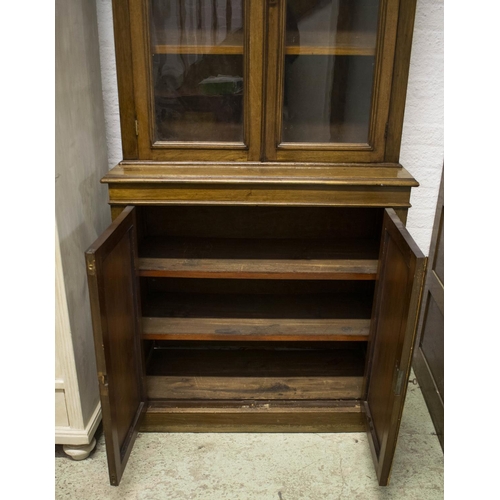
[255, 25]
[397, 303]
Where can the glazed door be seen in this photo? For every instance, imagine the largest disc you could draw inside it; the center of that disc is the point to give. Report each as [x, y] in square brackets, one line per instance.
[197, 68]
[392, 336]
[329, 66]
[114, 299]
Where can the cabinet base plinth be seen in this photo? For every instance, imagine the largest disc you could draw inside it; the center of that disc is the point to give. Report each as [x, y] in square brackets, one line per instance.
[264, 418]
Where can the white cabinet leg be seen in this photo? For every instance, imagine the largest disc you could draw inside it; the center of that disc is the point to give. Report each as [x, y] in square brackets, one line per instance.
[79, 452]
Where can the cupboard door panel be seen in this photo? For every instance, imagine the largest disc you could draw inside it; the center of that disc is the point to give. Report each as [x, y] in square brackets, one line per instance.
[428, 362]
[394, 321]
[113, 288]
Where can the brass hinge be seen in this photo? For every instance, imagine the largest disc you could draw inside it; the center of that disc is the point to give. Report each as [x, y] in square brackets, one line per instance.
[399, 381]
[91, 268]
[103, 379]
[136, 127]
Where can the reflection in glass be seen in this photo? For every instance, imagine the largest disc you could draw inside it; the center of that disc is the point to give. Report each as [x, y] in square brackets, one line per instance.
[197, 69]
[329, 68]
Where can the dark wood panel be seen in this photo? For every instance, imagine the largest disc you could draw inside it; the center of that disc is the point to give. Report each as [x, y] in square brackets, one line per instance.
[241, 194]
[406, 20]
[432, 342]
[247, 416]
[394, 321]
[198, 309]
[255, 329]
[307, 173]
[180, 387]
[438, 261]
[258, 258]
[428, 361]
[124, 70]
[258, 306]
[363, 289]
[255, 374]
[325, 225]
[113, 287]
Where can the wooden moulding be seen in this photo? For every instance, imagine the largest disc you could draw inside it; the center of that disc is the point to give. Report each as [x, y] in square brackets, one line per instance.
[388, 174]
[265, 417]
[284, 194]
[260, 184]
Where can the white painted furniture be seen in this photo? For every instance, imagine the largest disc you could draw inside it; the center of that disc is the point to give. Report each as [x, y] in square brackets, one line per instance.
[72, 430]
[81, 214]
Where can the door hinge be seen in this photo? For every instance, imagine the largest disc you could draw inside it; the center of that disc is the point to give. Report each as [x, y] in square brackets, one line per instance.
[103, 379]
[136, 127]
[399, 381]
[91, 268]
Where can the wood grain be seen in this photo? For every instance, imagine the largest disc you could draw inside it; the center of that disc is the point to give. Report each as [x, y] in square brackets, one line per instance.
[254, 329]
[306, 305]
[255, 374]
[428, 361]
[242, 258]
[392, 336]
[406, 20]
[247, 416]
[344, 43]
[306, 173]
[115, 309]
[124, 70]
[250, 194]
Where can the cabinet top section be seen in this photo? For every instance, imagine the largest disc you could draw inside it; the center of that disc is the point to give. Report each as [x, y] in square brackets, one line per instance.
[381, 174]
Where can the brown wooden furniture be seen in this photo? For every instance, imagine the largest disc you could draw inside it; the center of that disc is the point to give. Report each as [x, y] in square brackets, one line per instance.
[428, 361]
[258, 275]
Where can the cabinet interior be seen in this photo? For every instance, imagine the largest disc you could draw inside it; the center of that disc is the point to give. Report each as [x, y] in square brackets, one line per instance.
[267, 305]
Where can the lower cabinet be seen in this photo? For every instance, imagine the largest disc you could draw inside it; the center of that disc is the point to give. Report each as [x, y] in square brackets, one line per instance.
[253, 318]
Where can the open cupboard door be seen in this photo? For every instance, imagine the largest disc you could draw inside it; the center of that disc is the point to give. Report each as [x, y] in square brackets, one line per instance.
[114, 299]
[394, 322]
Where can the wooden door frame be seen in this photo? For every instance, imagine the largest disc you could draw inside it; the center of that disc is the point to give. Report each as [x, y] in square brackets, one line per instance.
[263, 94]
[136, 107]
[390, 56]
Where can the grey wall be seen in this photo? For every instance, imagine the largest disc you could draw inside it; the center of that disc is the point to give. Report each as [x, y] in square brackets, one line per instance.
[82, 212]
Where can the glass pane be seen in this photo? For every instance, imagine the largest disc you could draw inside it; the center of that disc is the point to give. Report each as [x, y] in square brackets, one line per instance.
[329, 68]
[197, 50]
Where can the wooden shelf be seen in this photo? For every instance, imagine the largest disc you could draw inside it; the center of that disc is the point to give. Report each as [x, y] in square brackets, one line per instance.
[190, 43]
[256, 317]
[242, 258]
[260, 374]
[339, 133]
[254, 329]
[199, 49]
[344, 43]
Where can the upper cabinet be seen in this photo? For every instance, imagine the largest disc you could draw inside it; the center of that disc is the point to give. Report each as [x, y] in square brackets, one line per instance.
[261, 80]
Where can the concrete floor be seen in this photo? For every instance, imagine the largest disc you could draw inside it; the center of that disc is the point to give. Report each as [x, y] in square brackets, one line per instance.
[263, 466]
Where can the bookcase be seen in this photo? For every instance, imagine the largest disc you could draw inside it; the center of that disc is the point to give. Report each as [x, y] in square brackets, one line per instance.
[257, 275]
